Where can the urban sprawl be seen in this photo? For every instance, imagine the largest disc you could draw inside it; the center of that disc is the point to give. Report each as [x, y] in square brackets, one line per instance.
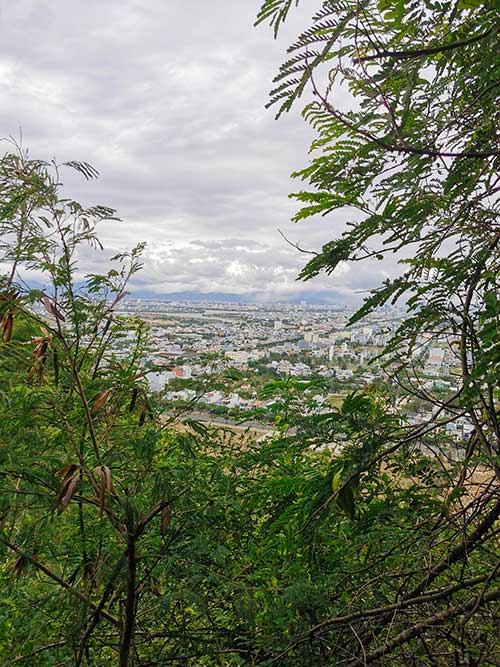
[218, 357]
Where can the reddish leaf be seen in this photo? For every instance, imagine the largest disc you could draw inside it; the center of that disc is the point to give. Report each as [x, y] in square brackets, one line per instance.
[105, 486]
[19, 566]
[7, 327]
[100, 399]
[67, 471]
[70, 475]
[69, 489]
[166, 515]
[155, 589]
[52, 309]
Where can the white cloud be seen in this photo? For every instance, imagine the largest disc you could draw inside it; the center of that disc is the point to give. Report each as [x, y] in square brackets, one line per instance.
[167, 101]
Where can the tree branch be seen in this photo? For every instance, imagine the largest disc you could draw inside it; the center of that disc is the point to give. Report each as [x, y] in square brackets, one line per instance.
[421, 53]
[62, 583]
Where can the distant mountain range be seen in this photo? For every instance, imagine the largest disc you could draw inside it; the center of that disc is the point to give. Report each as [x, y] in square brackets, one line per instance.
[325, 297]
[318, 298]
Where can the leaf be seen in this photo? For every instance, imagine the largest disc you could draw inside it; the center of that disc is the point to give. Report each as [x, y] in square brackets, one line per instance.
[100, 399]
[133, 399]
[66, 471]
[345, 499]
[146, 411]
[166, 515]
[347, 495]
[142, 416]
[336, 481]
[68, 487]
[19, 566]
[84, 168]
[7, 327]
[52, 310]
[39, 353]
[71, 487]
[70, 475]
[105, 486]
[41, 349]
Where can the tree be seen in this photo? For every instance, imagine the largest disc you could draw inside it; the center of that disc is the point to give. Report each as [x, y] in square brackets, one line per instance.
[126, 539]
[104, 561]
[351, 537]
[411, 161]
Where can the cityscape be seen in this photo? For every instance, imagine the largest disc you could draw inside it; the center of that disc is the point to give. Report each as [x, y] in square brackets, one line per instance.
[217, 358]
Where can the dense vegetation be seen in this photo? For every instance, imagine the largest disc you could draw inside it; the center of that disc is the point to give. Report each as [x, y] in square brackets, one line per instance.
[351, 537]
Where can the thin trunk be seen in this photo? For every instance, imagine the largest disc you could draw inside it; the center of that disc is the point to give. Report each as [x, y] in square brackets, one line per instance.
[127, 637]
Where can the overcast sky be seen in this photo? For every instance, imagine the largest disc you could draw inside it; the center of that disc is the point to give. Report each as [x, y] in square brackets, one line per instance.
[166, 99]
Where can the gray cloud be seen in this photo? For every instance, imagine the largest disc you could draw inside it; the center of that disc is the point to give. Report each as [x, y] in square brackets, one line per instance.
[167, 101]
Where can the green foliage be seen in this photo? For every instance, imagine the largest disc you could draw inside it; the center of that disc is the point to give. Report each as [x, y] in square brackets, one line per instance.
[405, 109]
[349, 536]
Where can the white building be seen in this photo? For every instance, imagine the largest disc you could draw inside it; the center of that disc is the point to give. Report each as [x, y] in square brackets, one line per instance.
[284, 367]
[239, 356]
[235, 400]
[213, 397]
[157, 380]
